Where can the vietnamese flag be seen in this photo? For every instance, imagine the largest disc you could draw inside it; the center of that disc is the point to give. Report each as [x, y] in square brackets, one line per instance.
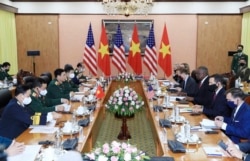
[99, 92]
[134, 57]
[164, 58]
[103, 54]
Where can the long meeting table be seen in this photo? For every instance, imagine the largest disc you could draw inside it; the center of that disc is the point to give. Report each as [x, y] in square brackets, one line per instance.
[162, 149]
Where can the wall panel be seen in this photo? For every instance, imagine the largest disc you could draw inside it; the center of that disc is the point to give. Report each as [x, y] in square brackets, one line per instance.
[217, 34]
[38, 32]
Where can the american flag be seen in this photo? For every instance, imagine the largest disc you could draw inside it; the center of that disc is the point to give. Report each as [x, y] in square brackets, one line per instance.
[150, 59]
[89, 56]
[150, 93]
[119, 59]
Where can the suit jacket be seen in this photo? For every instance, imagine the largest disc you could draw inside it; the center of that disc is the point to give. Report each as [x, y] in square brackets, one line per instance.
[5, 141]
[204, 96]
[16, 119]
[218, 107]
[190, 88]
[239, 127]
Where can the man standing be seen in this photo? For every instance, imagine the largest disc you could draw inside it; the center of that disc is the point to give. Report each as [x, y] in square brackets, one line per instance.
[236, 57]
[219, 105]
[237, 126]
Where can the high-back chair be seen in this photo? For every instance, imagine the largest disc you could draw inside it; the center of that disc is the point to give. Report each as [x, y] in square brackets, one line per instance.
[5, 97]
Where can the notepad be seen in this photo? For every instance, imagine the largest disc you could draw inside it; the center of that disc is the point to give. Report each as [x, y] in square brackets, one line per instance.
[29, 153]
[213, 151]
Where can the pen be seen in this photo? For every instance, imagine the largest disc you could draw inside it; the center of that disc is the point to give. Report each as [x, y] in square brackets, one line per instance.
[216, 155]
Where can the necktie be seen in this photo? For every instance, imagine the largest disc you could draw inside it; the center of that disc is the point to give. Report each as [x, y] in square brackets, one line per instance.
[233, 113]
[214, 97]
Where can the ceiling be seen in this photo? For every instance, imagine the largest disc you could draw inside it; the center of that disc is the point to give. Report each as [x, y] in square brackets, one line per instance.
[124, 0]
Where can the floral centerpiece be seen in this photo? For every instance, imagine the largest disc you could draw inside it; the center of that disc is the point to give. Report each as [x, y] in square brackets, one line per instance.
[124, 102]
[125, 76]
[117, 151]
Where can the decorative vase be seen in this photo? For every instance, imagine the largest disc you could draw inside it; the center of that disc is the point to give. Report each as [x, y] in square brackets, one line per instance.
[124, 133]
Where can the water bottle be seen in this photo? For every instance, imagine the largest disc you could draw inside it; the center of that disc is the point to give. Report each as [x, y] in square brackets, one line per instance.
[187, 129]
[58, 142]
[167, 98]
[81, 135]
[74, 121]
[177, 113]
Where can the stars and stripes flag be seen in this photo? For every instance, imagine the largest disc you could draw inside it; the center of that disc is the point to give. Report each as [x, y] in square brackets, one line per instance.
[150, 92]
[89, 57]
[119, 59]
[164, 59]
[150, 59]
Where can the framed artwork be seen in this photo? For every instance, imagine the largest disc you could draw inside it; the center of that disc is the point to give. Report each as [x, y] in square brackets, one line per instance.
[127, 26]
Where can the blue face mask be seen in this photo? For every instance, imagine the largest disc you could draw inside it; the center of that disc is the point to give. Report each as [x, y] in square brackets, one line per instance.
[231, 104]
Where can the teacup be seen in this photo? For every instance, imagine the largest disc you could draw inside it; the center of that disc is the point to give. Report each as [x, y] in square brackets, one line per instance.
[67, 127]
[66, 107]
[81, 110]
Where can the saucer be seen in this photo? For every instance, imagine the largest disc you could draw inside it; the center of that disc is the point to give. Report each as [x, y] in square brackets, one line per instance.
[194, 139]
[181, 119]
[169, 105]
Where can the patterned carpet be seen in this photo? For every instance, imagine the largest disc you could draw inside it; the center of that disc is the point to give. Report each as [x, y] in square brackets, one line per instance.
[139, 129]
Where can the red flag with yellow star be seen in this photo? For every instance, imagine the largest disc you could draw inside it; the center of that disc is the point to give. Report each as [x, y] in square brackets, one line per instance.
[103, 54]
[99, 92]
[164, 58]
[134, 57]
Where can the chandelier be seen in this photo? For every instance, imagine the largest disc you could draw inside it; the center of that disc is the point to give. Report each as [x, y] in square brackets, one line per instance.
[127, 7]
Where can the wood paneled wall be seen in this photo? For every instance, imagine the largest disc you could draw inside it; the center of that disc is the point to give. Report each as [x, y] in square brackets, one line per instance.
[216, 35]
[38, 32]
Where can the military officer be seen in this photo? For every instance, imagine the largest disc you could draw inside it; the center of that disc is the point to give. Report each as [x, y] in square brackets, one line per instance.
[236, 57]
[56, 88]
[4, 72]
[42, 104]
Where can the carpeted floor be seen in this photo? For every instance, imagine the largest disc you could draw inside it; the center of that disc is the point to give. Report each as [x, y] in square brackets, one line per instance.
[139, 129]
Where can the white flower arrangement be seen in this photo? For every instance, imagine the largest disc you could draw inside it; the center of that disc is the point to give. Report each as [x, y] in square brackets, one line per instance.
[124, 102]
[117, 151]
[125, 76]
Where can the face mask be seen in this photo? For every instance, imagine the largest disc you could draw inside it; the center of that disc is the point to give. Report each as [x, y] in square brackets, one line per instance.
[242, 64]
[71, 75]
[15, 81]
[27, 100]
[212, 87]
[43, 92]
[239, 50]
[231, 104]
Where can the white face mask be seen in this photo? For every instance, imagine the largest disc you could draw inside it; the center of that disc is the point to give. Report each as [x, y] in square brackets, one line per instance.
[15, 81]
[43, 92]
[72, 75]
[27, 100]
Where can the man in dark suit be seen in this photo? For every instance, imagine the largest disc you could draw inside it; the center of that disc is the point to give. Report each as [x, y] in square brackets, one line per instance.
[219, 105]
[204, 96]
[188, 84]
[237, 126]
[240, 151]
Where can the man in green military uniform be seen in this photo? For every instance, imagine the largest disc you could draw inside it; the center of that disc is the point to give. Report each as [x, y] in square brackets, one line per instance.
[4, 72]
[69, 84]
[79, 77]
[42, 104]
[236, 58]
[56, 88]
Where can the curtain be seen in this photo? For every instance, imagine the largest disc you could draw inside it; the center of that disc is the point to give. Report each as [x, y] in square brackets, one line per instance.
[8, 45]
[245, 34]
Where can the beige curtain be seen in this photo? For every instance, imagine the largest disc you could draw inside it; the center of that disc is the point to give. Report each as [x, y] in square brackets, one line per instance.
[245, 35]
[8, 45]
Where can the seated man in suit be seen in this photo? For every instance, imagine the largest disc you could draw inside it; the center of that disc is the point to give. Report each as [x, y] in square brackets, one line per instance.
[79, 77]
[237, 126]
[42, 104]
[16, 117]
[188, 85]
[56, 88]
[219, 105]
[204, 96]
[11, 146]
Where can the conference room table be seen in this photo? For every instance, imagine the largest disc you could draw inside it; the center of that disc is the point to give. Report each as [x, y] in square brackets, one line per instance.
[195, 151]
